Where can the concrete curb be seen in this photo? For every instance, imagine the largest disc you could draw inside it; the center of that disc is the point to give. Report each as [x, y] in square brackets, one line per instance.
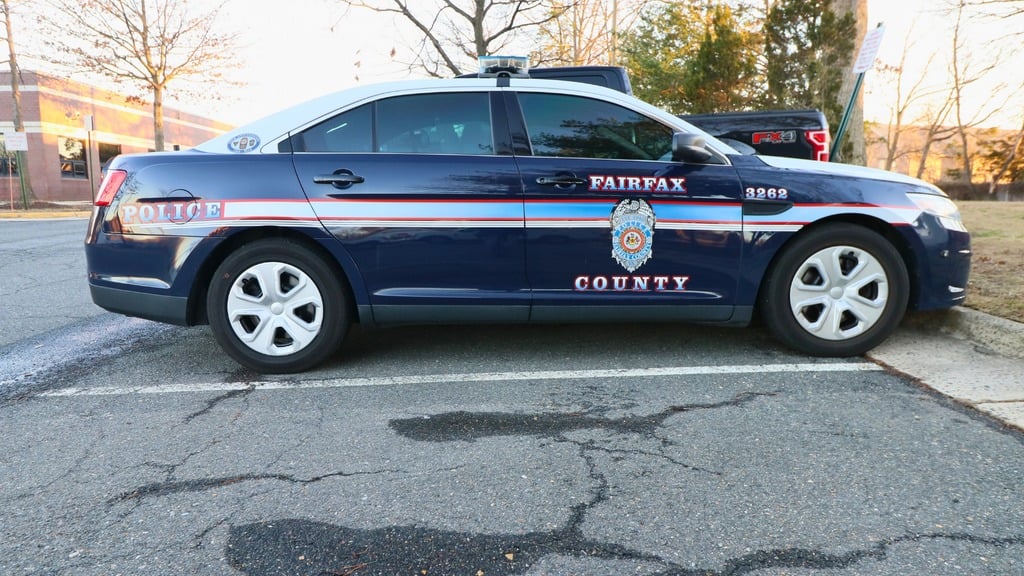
[972, 357]
[1002, 336]
[53, 210]
[45, 215]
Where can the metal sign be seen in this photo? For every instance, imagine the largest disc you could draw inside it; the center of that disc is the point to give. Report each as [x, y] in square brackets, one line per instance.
[16, 141]
[869, 50]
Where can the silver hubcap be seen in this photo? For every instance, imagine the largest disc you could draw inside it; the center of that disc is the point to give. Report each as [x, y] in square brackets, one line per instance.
[839, 293]
[275, 308]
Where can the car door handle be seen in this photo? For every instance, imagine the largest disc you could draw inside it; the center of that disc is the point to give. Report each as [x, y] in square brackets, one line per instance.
[340, 179]
[560, 181]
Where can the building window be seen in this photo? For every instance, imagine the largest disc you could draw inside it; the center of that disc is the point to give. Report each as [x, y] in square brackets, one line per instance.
[8, 165]
[72, 158]
[107, 152]
[8, 160]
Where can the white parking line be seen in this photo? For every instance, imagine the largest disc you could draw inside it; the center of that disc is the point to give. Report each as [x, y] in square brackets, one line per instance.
[471, 377]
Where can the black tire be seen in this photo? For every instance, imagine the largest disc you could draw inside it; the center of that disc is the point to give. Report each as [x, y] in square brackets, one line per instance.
[275, 306]
[838, 290]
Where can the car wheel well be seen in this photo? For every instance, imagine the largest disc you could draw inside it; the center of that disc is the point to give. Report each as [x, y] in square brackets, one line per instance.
[197, 313]
[837, 289]
[880, 227]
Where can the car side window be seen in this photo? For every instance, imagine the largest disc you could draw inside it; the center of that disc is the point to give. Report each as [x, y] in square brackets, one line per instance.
[350, 131]
[446, 123]
[579, 127]
[450, 123]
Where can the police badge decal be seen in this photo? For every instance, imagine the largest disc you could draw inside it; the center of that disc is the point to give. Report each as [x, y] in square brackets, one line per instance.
[632, 233]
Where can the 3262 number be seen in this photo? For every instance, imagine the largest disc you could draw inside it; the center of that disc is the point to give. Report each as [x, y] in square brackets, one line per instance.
[767, 193]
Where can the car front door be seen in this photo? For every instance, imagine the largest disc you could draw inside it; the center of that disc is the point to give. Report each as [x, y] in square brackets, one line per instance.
[614, 228]
[431, 216]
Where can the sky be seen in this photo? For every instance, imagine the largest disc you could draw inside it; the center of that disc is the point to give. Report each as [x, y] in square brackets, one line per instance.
[923, 28]
[320, 46]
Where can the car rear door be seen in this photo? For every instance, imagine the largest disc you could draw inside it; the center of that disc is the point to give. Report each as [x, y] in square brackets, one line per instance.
[614, 228]
[431, 215]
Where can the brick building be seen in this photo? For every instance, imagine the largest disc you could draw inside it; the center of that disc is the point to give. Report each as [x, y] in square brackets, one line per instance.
[64, 157]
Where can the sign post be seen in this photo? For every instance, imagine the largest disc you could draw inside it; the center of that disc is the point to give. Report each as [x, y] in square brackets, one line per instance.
[10, 178]
[865, 61]
[89, 124]
[16, 142]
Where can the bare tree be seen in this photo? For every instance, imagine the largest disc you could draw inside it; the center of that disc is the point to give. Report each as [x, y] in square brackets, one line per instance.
[1002, 8]
[908, 96]
[587, 32]
[965, 71]
[936, 129]
[149, 43]
[19, 123]
[456, 32]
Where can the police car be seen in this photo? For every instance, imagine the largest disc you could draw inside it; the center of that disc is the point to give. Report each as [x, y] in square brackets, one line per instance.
[506, 199]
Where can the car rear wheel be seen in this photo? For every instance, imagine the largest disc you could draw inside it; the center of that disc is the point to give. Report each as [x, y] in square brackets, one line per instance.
[275, 306]
[839, 290]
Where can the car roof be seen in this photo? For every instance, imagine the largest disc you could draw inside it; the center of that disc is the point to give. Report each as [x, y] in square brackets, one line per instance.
[263, 135]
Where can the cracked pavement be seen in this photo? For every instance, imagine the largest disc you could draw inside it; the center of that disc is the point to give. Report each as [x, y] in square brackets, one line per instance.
[726, 474]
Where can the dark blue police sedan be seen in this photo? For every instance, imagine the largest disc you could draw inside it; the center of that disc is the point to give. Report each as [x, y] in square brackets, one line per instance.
[509, 200]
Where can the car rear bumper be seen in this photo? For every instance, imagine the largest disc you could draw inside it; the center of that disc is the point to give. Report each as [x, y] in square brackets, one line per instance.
[147, 305]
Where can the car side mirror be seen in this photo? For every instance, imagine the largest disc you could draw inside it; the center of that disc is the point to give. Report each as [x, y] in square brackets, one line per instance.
[689, 148]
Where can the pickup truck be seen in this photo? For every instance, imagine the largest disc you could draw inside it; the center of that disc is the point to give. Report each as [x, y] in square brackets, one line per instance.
[792, 133]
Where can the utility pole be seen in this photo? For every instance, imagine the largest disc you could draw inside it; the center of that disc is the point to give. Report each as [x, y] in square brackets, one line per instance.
[19, 124]
[859, 9]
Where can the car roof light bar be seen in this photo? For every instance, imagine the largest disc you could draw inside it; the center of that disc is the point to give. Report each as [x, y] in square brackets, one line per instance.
[504, 66]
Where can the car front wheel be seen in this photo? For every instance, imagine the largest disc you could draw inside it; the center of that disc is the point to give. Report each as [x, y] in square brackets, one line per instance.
[276, 307]
[839, 290]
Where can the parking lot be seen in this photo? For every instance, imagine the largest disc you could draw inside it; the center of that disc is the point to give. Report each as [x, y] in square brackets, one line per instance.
[135, 448]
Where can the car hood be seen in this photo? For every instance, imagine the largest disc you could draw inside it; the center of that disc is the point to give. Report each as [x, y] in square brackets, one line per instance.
[849, 170]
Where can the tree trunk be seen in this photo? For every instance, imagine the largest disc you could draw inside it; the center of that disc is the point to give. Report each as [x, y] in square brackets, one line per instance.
[893, 145]
[158, 118]
[27, 195]
[925, 150]
[855, 129]
[966, 169]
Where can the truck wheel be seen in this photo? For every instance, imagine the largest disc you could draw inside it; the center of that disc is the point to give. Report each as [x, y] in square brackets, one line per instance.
[275, 306]
[839, 290]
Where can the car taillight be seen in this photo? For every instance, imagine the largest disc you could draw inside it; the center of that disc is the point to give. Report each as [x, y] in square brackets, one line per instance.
[111, 184]
[819, 144]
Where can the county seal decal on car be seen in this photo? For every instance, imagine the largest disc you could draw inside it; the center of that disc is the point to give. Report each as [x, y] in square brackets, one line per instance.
[243, 143]
[632, 224]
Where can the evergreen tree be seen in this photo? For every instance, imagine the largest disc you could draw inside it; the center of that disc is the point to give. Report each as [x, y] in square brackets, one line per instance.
[657, 51]
[807, 50]
[721, 75]
[693, 59]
